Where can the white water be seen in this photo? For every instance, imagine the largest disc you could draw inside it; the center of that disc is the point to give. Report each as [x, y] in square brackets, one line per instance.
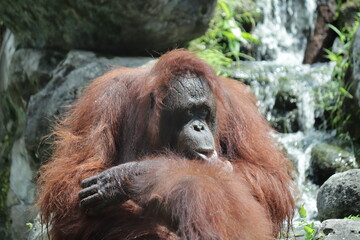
[298, 147]
[284, 30]
[300, 81]
[305, 83]
[283, 33]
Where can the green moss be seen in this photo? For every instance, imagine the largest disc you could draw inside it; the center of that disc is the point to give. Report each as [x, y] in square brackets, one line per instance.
[333, 157]
[4, 188]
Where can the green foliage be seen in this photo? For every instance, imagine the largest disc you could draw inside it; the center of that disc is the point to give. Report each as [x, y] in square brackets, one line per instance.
[4, 179]
[357, 217]
[4, 188]
[309, 228]
[221, 44]
[301, 228]
[302, 211]
[30, 225]
[334, 98]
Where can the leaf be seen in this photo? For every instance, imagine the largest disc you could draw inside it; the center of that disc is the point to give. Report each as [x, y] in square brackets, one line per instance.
[346, 93]
[225, 8]
[30, 225]
[331, 56]
[302, 211]
[338, 32]
[245, 56]
[229, 35]
[250, 37]
[308, 229]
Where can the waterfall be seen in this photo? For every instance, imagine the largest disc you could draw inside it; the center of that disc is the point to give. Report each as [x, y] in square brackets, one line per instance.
[284, 30]
[271, 79]
[289, 92]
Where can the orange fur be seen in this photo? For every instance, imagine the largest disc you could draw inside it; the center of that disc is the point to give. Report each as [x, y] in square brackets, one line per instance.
[114, 123]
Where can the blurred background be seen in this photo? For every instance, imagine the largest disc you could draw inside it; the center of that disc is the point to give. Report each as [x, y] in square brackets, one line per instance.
[301, 58]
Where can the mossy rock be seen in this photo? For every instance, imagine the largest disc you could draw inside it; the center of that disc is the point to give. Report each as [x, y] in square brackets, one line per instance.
[327, 160]
[137, 27]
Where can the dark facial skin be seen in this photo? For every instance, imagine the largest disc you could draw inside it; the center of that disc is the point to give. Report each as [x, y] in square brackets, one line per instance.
[188, 120]
[187, 126]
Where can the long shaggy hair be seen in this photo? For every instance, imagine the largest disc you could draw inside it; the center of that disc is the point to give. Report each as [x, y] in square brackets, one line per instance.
[117, 121]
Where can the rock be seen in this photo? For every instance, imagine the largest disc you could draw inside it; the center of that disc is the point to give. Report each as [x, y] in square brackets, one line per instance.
[339, 229]
[22, 190]
[21, 174]
[294, 107]
[323, 36]
[339, 196]
[2, 32]
[23, 72]
[31, 70]
[355, 66]
[38, 231]
[352, 106]
[67, 82]
[285, 102]
[112, 26]
[285, 113]
[327, 160]
[20, 216]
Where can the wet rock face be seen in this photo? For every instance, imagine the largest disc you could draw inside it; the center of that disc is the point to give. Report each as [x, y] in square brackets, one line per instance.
[327, 160]
[323, 37]
[285, 113]
[339, 196]
[113, 26]
[68, 80]
[352, 106]
[355, 60]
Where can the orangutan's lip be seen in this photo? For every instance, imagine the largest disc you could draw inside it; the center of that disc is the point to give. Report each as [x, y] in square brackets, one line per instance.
[207, 156]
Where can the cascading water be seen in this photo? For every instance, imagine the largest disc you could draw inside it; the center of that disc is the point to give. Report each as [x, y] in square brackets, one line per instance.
[284, 29]
[289, 92]
[303, 85]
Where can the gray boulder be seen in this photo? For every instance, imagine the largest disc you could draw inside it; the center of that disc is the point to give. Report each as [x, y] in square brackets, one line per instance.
[113, 26]
[339, 196]
[67, 82]
[339, 229]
